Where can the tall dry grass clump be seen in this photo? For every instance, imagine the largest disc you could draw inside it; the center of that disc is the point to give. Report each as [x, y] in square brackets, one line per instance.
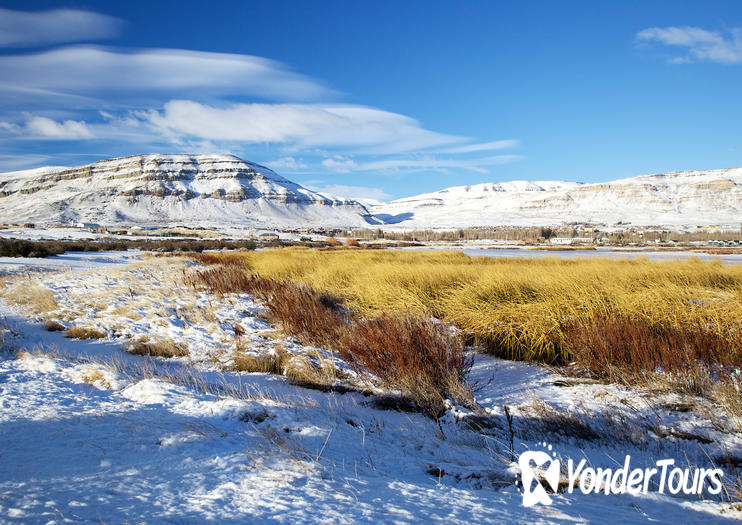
[157, 347]
[517, 307]
[415, 354]
[623, 320]
[626, 351]
[270, 363]
[84, 332]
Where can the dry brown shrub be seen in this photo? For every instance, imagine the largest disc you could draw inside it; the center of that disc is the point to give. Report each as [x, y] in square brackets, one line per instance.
[417, 355]
[350, 242]
[158, 347]
[628, 351]
[332, 241]
[224, 279]
[225, 259]
[84, 332]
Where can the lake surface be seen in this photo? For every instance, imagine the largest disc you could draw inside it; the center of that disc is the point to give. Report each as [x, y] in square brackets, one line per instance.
[587, 254]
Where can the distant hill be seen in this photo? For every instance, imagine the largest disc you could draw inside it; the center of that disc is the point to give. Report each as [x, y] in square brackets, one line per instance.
[681, 198]
[206, 190]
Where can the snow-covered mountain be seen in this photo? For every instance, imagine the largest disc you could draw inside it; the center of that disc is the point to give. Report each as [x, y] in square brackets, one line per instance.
[223, 190]
[680, 198]
[205, 190]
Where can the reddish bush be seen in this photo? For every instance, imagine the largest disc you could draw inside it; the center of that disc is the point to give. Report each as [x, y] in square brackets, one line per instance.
[625, 349]
[332, 241]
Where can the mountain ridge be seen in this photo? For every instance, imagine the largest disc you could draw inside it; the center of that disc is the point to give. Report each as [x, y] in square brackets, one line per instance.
[223, 190]
[210, 190]
[695, 197]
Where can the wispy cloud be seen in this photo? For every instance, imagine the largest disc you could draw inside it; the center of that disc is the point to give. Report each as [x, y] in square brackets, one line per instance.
[26, 28]
[362, 193]
[104, 72]
[302, 125]
[477, 165]
[485, 146]
[340, 164]
[174, 99]
[702, 45]
[287, 163]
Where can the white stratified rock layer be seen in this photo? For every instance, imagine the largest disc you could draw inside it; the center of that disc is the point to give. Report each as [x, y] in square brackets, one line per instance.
[204, 190]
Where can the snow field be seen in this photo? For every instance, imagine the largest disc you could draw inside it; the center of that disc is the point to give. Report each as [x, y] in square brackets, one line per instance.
[89, 432]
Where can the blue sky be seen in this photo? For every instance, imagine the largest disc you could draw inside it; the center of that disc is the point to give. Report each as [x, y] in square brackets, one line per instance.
[378, 99]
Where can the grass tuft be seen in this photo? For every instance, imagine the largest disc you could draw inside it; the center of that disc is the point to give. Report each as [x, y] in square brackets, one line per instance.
[158, 347]
[53, 326]
[34, 296]
[83, 332]
[269, 363]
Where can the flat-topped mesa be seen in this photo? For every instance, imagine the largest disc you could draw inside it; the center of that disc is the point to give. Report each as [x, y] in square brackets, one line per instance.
[680, 198]
[169, 188]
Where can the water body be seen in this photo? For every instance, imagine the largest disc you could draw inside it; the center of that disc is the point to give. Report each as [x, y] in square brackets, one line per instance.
[589, 254]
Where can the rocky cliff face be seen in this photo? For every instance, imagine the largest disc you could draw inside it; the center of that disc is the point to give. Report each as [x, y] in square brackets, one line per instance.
[691, 197]
[208, 190]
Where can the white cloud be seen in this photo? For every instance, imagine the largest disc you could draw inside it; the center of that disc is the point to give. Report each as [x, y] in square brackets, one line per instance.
[702, 45]
[303, 125]
[476, 164]
[92, 70]
[288, 163]
[22, 28]
[339, 164]
[362, 193]
[485, 146]
[185, 100]
[9, 126]
[48, 128]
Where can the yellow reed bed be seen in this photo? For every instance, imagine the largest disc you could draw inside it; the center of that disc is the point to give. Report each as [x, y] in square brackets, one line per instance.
[514, 306]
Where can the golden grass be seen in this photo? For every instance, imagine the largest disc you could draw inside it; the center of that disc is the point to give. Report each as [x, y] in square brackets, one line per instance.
[53, 326]
[302, 370]
[515, 307]
[92, 376]
[158, 347]
[267, 363]
[84, 332]
[34, 296]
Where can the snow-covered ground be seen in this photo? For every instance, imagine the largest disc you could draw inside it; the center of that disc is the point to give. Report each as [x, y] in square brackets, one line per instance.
[91, 433]
[69, 261]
